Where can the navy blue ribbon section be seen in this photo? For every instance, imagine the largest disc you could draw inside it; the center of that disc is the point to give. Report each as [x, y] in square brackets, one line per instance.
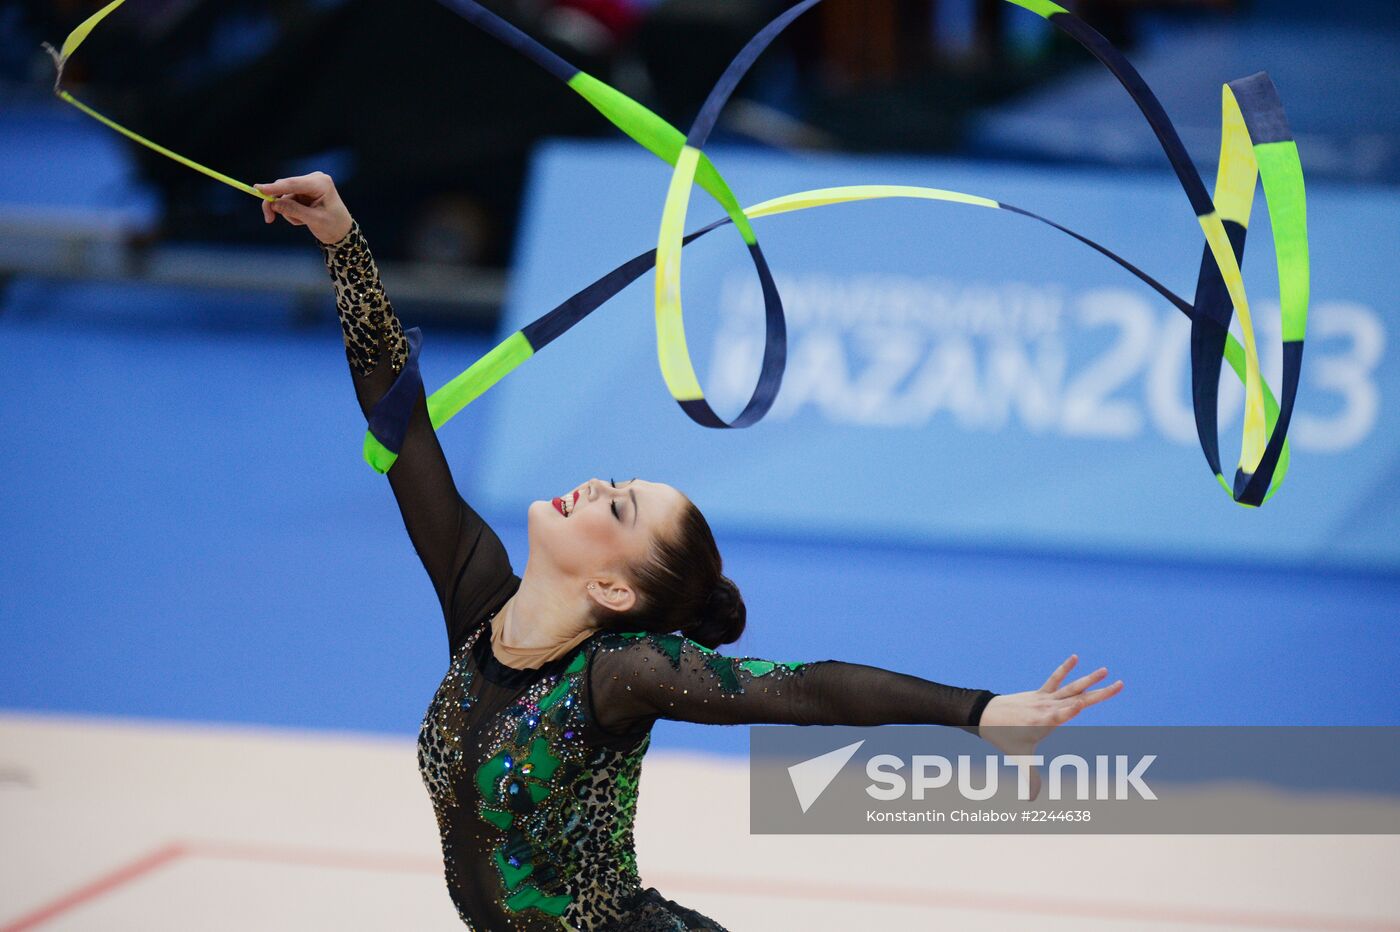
[388, 419]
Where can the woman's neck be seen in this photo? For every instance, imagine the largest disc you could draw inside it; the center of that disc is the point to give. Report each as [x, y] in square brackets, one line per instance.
[540, 622]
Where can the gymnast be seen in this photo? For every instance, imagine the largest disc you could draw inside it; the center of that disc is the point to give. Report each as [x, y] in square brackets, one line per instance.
[532, 747]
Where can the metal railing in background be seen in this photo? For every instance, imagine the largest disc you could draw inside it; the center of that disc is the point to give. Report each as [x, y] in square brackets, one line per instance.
[109, 246]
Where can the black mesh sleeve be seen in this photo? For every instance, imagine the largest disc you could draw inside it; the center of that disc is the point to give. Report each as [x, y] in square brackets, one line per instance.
[464, 558]
[636, 679]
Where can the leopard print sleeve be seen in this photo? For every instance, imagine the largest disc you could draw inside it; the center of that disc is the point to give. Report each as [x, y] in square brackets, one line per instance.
[367, 319]
[465, 560]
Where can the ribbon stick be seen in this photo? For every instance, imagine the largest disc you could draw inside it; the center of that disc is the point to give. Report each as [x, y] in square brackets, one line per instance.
[60, 58]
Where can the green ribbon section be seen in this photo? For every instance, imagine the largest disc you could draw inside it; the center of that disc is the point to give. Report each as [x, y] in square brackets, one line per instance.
[1282, 174]
[661, 139]
[446, 402]
[1041, 7]
[485, 372]
[378, 455]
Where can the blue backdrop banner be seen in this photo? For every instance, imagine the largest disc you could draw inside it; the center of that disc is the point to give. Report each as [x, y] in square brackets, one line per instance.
[956, 375]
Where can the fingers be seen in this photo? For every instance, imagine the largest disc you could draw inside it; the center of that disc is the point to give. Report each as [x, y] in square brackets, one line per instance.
[295, 213]
[1059, 675]
[269, 216]
[1069, 708]
[314, 184]
[1081, 684]
[1099, 695]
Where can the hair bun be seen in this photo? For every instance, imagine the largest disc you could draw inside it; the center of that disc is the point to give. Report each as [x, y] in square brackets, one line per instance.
[722, 617]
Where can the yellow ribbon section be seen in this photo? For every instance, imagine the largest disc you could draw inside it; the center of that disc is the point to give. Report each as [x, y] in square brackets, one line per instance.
[821, 197]
[1237, 173]
[1234, 198]
[76, 37]
[157, 147]
[671, 348]
[1255, 438]
[670, 329]
[70, 45]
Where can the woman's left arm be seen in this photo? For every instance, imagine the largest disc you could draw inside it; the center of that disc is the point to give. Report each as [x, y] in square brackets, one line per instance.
[464, 558]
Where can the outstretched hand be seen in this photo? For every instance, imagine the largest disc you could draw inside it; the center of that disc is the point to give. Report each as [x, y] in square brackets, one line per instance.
[310, 201]
[1017, 722]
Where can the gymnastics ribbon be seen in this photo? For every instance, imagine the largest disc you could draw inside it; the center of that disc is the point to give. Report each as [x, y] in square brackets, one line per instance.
[1256, 146]
[1255, 143]
[60, 58]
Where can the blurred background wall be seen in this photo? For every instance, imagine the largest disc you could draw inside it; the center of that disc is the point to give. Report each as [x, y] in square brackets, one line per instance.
[191, 533]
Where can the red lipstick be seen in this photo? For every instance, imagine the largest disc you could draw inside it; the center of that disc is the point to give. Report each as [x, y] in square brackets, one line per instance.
[558, 504]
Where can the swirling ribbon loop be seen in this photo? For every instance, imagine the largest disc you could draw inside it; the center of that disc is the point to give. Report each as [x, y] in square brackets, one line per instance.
[1255, 142]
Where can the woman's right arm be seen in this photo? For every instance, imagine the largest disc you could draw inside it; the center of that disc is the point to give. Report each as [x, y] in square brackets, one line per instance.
[464, 558]
[637, 678]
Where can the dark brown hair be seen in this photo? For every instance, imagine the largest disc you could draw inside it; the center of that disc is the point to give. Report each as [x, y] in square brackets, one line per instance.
[681, 587]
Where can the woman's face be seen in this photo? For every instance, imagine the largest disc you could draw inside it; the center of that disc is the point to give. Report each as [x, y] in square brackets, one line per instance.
[597, 530]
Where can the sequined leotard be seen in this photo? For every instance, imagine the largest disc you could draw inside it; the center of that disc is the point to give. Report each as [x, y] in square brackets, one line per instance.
[533, 773]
